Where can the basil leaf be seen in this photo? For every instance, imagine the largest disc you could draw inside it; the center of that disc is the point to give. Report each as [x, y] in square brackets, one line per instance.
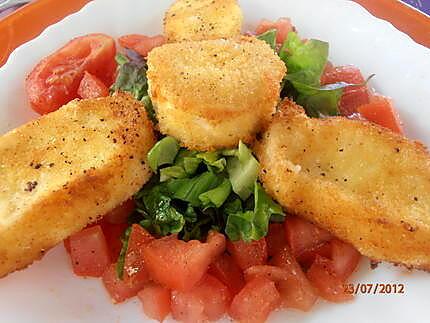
[243, 171]
[163, 152]
[121, 258]
[269, 37]
[216, 196]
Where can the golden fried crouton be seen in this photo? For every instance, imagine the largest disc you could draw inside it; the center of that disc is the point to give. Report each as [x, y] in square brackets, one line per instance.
[222, 90]
[202, 20]
[363, 183]
[66, 169]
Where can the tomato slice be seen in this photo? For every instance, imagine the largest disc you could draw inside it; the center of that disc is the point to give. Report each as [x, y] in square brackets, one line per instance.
[208, 300]
[228, 272]
[140, 43]
[55, 80]
[89, 252]
[381, 111]
[283, 26]
[92, 87]
[179, 265]
[323, 277]
[134, 262]
[353, 96]
[255, 301]
[155, 301]
[303, 235]
[296, 290]
[119, 290]
[275, 238]
[247, 254]
[121, 213]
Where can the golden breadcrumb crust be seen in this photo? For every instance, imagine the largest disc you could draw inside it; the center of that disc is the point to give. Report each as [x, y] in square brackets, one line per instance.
[363, 183]
[202, 20]
[64, 170]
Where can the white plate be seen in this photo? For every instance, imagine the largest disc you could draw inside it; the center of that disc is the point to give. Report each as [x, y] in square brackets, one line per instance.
[48, 291]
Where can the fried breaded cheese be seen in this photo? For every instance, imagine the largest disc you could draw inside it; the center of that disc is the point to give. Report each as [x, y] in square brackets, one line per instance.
[365, 184]
[211, 94]
[202, 20]
[64, 170]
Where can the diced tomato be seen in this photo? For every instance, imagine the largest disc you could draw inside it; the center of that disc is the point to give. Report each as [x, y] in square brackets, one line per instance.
[134, 263]
[296, 291]
[273, 273]
[92, 87]
[255, 301]
[323, 277]
[89, 252]
[345, 258]
[353, 96]
[247, 254]
[155, 301]
[283, 26]
[66, 243]
[113, 234]
[121, 213]
[380, 110]
[303, 235]
[228, 272]
[208, 300]
[140, 43]
[307, 258]
[119, 290]
[275, 238]
[55, 80]
[179, 265]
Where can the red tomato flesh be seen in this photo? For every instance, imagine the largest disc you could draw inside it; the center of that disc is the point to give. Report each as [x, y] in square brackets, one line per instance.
[155, 301]
[296, 291]
[323, 277]
[92, 87]
[228, 272]
[345, 258]
[179, 265]
[140, 43]
[381, 111]
[134, 263]
[119, 290]
[121, 213]
[248, 254]
[275, 238]
[255, 301]
[55, 79]
[353, 96]
[113, 234]
[283, 26]
[89, 252]
[303, 236]
[208, 300]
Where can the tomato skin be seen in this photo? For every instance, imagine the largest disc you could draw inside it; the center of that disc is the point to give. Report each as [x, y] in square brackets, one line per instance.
[119, 290]
[89, 252]
[283, 26]
[134, 263]
[140, 43]
[380, 110]
[353, 96]
[275, 238]
[255, 301]
[228, 272]
[121, 213]
[54, 81]
[155, 301]
[189, 261]
[248, 254]
[303, 235]
[296, 291]
[92, 87]
[208, 300]
[323, 277]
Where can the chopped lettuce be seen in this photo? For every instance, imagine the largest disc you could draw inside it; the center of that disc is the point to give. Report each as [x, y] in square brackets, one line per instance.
[121, 258]
[269, 37]
[164, 152]
[216, 196]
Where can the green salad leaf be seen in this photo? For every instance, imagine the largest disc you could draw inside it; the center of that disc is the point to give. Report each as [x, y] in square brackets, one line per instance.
[121, 258]
[216, 196]
[164, 152]
[269, 37]
[253, 224]
[243, 171]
